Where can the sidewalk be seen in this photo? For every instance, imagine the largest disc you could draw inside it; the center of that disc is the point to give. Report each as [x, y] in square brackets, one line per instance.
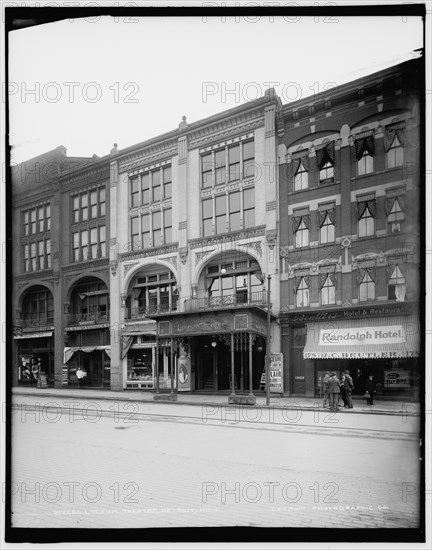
[380, 407]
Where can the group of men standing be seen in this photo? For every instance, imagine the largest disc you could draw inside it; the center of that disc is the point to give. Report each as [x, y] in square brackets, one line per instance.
[333, 389]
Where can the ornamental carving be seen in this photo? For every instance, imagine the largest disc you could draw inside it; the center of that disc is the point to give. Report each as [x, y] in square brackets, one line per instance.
[173, 260]
[183, 254]
[200, 255]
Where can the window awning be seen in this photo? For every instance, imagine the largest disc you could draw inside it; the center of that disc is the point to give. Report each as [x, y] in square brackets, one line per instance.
[368, 338]
[34, 335]
[68, 352]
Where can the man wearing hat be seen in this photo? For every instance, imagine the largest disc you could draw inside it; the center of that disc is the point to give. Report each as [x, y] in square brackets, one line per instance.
[349, 386]
[334, 391]
[325, 388]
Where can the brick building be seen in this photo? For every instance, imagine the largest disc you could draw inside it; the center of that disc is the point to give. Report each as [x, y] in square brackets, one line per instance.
[149, 267]
[350, 191]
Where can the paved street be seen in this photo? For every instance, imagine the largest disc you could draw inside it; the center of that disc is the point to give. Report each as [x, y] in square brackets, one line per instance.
[95, 463]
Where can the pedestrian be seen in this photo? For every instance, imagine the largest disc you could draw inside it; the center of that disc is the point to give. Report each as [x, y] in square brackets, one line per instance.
[325, 388]
[370, 390]
[342, 393]
[81, 374]
[334, 391]
[349, 386]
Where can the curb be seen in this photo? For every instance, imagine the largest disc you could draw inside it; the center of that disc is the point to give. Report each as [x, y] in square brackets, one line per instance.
[110, 397]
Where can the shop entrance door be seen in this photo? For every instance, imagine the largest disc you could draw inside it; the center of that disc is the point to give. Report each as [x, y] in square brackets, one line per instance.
[208, 374]
[93, 367]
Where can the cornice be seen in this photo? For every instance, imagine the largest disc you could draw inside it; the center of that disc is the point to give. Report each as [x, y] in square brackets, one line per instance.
[216, 239]
[149, 155]
[42, 274]
[81, 266]
[241, 124]
[84, 173]
[157, 251]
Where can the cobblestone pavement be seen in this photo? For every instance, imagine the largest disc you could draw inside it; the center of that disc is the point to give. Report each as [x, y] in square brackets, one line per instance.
[161, 469]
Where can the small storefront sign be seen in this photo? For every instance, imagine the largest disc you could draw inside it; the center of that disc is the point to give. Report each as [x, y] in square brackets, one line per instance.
[362, 336]
[276, 373]
[184, 373]
[396, 378]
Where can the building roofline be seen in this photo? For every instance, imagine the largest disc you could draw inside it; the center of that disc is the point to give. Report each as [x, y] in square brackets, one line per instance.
[348, 87]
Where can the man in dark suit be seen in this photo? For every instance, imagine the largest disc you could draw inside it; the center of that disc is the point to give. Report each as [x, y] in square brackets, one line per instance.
[334, 391]
[349, 386]
[370, 389]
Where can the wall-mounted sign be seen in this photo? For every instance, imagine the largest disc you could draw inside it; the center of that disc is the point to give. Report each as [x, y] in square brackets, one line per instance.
[362, 336]
[396, 378]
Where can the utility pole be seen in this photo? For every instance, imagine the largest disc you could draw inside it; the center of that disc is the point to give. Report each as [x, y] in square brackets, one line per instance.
[268, 343]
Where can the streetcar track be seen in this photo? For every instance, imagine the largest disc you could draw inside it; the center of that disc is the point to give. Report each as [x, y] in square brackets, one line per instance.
[276, 426]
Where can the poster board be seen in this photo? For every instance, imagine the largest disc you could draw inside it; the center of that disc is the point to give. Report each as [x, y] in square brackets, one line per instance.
[184, 373]
[276, 373]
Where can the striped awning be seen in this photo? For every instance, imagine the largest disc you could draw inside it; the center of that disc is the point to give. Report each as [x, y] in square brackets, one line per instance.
[367, 338]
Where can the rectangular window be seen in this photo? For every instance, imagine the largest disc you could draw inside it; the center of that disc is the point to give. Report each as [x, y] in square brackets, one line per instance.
[234, 211]
[93, 204]
[48, 253]
[76, 247]
[366, 223]
[32, 221]
[33, 257]
[145, 188]
[365, 164]
[41, 255]
[234, 163]
[220, 166]
[84, 207]
[167, 225]
[220, 205]
[302, 293]
[207, 170]
[302, 232]
[156, 185]
[41, 219]
[93, 243]
[327, 228]
[84, 245]
[328, 292]
[366, 288]
[26, 223]
[135, 236]
[134, 192]
[248, 159]
[26, 256]
[207, 217]
[167, 182]
[301, 178]
[157, 231]
[48, 217]
[75, 209]
[102, 240]
[145, 231]
[102, 201]
[249, 207]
